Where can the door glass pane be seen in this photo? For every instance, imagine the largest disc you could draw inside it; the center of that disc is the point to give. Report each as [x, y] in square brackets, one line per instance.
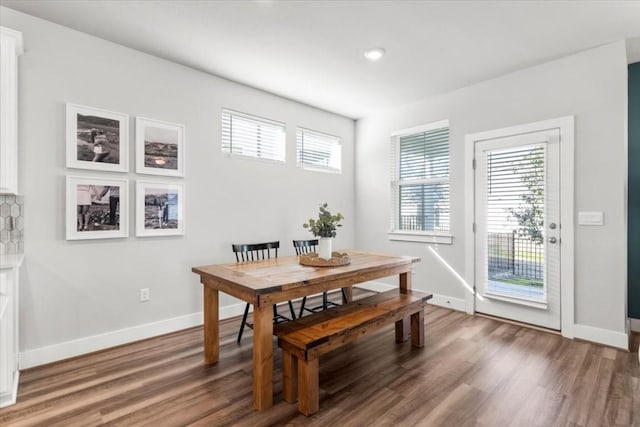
[515, 222]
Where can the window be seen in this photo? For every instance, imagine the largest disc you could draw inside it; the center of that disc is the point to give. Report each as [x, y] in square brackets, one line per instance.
[252, 136]
[317, 150]
[420, 184]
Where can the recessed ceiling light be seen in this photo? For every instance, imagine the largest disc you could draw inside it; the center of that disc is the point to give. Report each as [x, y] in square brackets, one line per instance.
[374, 54]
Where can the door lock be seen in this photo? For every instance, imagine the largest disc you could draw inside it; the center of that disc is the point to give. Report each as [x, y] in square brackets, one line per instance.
[552, 226]
[552, 240]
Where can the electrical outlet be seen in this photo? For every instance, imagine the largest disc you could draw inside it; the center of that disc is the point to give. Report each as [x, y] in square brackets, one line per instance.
[145, 295]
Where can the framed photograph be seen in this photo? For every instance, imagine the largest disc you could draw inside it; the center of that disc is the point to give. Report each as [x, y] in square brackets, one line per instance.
[97, 139]
[159, 147]
[159, 209]
[96, 208]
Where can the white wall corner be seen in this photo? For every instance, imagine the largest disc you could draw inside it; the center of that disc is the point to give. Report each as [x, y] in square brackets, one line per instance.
[634, 325]
[602, 336]
[78, 347]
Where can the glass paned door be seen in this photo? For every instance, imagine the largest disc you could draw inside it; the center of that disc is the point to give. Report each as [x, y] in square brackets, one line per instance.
[515, 222]
[517, 229]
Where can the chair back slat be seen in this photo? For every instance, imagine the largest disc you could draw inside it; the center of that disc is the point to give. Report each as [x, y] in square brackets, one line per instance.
[305, 246]
[255, 251]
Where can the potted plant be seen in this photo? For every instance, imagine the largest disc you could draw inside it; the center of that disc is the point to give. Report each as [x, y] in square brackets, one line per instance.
[325, 228]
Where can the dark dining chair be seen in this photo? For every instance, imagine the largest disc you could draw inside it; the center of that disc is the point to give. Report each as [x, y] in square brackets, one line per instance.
[256, 252]
[304, 247]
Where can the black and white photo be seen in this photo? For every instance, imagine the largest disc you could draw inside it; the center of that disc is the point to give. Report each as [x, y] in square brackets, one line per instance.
[159, 209]
[97, 139]
[159, 147]
[96, 208]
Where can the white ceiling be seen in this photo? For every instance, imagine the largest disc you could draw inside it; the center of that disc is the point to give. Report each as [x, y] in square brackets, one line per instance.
[312, 51]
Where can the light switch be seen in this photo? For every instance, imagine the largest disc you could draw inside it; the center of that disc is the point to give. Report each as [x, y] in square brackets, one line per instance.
[590, 218]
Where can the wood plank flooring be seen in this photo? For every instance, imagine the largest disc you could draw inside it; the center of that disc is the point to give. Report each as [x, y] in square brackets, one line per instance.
[472, 371]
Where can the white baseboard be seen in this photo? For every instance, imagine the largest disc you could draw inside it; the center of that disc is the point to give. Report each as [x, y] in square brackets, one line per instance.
[458, 304]
[232, 310]
[65, 350]
[439, 300]
[601, 336]
[635, 325]
[375, 286]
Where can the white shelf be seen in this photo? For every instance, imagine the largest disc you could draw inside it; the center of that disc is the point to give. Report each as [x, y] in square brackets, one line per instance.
[10, 48]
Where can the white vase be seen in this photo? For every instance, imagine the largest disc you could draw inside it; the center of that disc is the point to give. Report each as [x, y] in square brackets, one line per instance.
[324, 247]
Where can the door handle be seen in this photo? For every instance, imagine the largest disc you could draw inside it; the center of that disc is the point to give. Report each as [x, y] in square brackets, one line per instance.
[552, 240]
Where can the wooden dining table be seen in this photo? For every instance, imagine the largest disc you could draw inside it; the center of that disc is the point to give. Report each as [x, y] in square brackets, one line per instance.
[272, 281]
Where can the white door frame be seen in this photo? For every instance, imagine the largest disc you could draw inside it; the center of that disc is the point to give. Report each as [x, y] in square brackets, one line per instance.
[566, 127]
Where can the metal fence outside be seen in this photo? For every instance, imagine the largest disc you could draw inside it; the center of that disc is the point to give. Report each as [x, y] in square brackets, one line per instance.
[437, 222]
[508, 254]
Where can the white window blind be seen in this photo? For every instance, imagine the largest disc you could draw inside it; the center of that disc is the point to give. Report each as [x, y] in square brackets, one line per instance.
[420, 181]
[318, 150]
[252, 136]
[513, 203]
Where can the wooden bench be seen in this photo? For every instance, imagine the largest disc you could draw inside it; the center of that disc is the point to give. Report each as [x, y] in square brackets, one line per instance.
[304, 340]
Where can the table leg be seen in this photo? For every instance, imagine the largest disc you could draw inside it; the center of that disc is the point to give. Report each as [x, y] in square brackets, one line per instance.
[262, 357]
[403, 326]
[289, 377]
[349, 293]
[211, 326]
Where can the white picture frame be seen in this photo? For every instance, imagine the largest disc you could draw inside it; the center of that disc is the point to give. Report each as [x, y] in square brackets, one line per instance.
[160, 147]
[97, 208]
[97, 139]
[159, 209]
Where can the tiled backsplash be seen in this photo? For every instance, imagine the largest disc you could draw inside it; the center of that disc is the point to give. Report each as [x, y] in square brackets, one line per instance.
[11, 224]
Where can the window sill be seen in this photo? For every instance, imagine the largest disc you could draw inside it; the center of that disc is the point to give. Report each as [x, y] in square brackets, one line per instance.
[319, 169]
[416, 236]
[253, 158]
[514, 300]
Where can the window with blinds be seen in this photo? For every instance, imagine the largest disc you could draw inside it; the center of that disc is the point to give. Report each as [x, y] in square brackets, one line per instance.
[252, 136]
[420, 181]
[318, 150]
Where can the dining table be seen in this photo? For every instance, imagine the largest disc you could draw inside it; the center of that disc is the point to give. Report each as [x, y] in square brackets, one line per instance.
[267, 282]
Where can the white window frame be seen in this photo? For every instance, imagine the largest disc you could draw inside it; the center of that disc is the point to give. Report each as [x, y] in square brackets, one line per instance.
[307, 166]
[412, 235]
[257, 118]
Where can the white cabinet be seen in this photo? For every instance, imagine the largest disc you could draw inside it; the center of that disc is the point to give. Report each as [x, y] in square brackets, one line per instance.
[10, 49]
[8, 336]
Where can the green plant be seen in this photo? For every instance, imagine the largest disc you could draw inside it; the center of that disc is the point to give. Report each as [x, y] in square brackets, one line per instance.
[326, 224]
[530, 214]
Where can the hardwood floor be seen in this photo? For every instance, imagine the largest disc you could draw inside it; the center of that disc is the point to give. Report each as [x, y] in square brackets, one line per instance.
[472, 371]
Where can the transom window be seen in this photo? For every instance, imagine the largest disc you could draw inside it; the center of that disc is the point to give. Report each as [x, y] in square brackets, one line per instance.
[252, 136]
[318, 150]
[420, 179]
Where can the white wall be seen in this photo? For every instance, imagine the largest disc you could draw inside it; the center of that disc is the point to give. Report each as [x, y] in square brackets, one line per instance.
[70, 292]
[592, 86]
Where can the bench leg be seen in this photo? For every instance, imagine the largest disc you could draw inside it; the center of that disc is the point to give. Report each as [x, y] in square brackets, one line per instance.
[402, 326]
[289, 377]
[402, 330]
[308, 387]
[417, 329]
